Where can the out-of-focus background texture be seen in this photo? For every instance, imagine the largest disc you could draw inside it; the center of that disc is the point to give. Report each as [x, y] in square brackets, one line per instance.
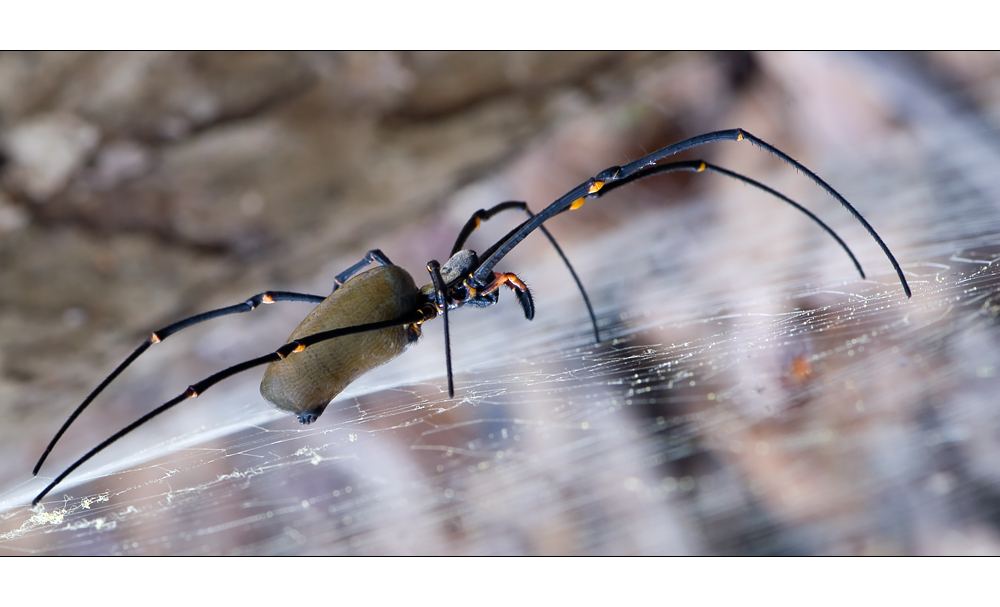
[750, 395]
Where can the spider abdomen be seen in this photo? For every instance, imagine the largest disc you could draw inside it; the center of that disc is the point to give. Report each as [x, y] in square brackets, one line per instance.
[305, 382]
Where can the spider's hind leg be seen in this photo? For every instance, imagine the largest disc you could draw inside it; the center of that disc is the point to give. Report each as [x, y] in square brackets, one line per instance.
[267, 297]
[193, 391]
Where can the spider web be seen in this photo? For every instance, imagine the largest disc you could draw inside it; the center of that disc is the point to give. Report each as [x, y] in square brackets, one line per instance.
[749, 395]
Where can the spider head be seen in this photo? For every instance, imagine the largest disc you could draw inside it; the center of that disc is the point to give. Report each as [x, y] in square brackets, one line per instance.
[454, 272]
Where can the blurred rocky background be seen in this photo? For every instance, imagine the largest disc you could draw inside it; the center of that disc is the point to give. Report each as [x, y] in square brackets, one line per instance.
[139, 188]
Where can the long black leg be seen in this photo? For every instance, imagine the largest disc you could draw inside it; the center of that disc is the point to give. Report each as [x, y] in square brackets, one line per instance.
[266, 297]
[442, 303]
[485, 215]
[575, 197]
[161, 334]
[698, 166]
[370, 256]
[199, 388]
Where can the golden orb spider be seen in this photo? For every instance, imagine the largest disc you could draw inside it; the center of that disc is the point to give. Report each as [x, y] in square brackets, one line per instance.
[371, 317]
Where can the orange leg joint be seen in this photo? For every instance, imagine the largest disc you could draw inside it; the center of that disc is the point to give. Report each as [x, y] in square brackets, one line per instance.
[505, 278]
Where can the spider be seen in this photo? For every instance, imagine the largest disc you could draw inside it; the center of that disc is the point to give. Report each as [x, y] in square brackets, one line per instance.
[372, 316]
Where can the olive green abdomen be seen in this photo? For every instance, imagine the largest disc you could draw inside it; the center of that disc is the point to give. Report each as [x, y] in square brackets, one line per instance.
[305, 382]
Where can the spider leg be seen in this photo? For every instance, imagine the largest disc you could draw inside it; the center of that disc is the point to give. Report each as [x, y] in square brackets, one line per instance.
[485, 215]
[574, 198]
[370, 256]
[159, 335]
[199, 388]
[482, 215]
[698, 166]
[442, 304]
[516, 285]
